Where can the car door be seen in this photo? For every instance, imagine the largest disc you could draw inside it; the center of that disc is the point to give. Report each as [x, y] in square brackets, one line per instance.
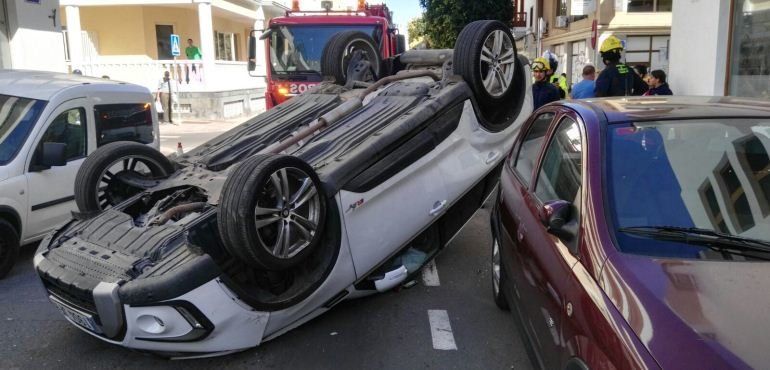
[51, 190]
[541, 261]
[382, 219]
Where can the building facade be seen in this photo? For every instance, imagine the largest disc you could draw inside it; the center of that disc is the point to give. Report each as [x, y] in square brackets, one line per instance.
[130, 40]
[574, 30]
[721, 47]
[30, 35]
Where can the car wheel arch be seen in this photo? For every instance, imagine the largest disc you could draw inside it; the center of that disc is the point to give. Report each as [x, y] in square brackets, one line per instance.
[9, 214]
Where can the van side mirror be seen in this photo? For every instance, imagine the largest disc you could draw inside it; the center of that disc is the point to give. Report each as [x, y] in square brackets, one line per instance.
[555, 214]
[52, 155]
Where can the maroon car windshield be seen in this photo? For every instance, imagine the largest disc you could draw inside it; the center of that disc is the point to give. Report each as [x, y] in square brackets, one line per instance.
[691, 189]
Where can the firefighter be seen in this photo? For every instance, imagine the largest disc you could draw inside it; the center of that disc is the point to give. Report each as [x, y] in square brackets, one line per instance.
[617, 79]
[543, 92]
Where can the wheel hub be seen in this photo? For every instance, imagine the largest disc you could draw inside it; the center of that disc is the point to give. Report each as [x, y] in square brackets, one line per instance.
[285, 213]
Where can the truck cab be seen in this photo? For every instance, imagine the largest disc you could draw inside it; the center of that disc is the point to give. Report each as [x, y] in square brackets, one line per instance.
[49, 123]
[294, 43]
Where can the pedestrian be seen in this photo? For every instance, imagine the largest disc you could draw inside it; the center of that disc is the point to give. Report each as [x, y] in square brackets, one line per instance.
[658, 84]
[585, 88]
[192, 51]
[617, 79]
[543, 92]
[167, 90]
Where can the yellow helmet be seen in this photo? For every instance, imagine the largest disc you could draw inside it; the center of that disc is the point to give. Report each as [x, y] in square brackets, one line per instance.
[541, 64]
[611, 43]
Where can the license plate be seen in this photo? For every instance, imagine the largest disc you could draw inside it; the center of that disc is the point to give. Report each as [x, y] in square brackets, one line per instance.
[78, 317]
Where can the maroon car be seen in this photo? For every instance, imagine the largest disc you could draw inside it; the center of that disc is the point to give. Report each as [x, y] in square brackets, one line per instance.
[635, 233]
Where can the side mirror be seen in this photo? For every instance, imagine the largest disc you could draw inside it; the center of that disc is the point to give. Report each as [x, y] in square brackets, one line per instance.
[555, 214]
[53, 155]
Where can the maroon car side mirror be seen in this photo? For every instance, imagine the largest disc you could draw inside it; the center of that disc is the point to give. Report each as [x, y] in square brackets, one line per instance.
[555, 214]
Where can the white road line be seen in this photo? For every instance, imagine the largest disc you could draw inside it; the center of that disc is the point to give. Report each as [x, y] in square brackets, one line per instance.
[430, 274]
[441, 330]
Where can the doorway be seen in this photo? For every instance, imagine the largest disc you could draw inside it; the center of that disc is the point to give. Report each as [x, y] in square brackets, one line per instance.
[163, 34]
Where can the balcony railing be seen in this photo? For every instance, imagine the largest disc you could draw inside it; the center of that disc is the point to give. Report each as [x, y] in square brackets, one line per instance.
[520, 19]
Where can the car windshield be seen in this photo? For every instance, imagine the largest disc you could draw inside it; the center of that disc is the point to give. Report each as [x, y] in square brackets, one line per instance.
[296, 50]
[691, 189]
[17, 118]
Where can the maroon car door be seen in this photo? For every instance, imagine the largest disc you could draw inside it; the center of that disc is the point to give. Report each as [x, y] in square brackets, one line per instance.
[544, 259]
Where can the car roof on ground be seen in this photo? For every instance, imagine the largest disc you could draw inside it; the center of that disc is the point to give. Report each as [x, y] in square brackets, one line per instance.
[655, 108]
[44, 85]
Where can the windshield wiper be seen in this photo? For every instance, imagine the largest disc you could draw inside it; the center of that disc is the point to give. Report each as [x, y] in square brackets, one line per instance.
[705, 237]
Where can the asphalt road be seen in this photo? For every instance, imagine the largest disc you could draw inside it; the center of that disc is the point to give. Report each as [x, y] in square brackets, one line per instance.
[385, 331]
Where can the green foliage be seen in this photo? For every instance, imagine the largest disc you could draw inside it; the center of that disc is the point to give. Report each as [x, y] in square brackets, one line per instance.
[416, 29]
[444, 19]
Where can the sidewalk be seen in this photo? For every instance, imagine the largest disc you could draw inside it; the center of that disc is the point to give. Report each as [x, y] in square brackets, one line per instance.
[192, 133]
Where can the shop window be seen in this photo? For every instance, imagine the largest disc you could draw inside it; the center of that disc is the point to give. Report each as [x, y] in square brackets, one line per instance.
[226, 46]
[579, 60]
[651, 51]
[750, 50]
[647, 6]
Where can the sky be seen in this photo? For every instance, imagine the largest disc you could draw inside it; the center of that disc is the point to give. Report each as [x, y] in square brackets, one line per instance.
[403, 11]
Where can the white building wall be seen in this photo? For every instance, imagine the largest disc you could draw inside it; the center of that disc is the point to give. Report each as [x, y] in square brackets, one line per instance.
[698, 52]
[35, 42]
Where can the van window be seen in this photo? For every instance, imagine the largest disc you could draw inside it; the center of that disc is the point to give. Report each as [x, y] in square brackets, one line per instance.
[69, 127]
[124, 122]
[17, 118]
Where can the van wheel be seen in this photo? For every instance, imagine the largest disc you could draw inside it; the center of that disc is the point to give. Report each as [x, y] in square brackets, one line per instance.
[342, 47]
[486, 58]
[9, 247]
[103, 179]
[272, 211]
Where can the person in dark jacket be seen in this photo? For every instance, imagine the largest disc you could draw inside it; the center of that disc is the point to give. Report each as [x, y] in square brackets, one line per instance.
[617, 79]
[658, 85]
[543, 92]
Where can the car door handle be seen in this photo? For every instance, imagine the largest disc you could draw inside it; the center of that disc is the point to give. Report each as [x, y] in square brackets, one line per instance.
[437, 207]
[491, 157]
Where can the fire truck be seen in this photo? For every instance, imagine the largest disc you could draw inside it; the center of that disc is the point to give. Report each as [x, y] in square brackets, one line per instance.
[294, 43]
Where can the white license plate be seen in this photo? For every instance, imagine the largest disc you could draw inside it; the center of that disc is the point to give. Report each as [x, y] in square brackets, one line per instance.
[78, 317]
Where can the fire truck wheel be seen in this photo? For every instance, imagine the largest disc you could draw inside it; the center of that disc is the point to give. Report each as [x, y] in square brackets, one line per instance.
[486, 58]
[272, 211]
[342, 47]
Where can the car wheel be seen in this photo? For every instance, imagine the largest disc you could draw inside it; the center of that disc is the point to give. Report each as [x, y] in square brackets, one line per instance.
[9, 247]
[485, 56]
[272, 211]
[341, 48]
[100, 180]
[499, 280]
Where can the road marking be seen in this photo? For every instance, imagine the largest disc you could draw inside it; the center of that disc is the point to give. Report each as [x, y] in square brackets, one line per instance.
[441, 330]
[430, 274]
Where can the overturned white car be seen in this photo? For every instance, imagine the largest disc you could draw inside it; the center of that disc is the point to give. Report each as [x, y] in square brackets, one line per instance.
[340, 192]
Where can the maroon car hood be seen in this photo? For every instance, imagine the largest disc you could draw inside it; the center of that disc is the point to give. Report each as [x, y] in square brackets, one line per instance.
[694, 313]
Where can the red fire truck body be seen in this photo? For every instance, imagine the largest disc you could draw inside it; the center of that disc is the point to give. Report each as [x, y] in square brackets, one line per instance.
[296, 41]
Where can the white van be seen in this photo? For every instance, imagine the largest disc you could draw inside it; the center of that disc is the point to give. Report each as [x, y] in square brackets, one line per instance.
[49, 123]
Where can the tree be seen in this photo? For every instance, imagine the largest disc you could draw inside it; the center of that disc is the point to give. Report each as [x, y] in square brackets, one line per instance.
[444, 19]
[416, 29]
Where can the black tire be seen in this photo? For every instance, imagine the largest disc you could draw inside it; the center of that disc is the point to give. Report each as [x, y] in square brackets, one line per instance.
[94, 173]
[477, 60]
[249, 235]
[400, 44]
[499, 286]
[337, 52]
[9, 247]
